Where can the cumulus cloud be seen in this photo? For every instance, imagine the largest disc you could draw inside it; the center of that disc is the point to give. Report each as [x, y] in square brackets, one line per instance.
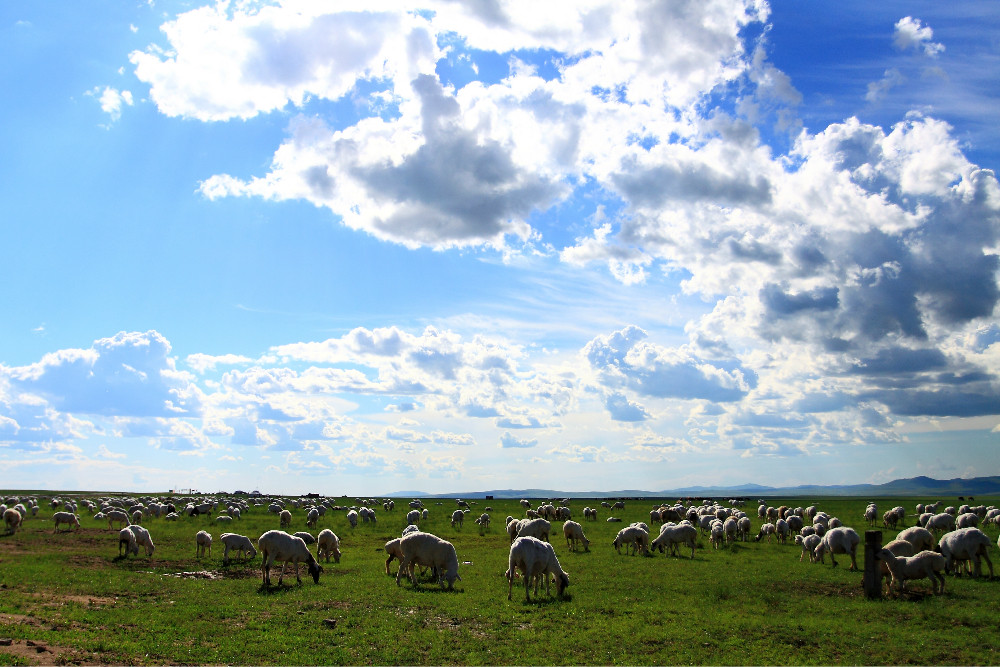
[112, 100]
[911, 33]
[508, 441]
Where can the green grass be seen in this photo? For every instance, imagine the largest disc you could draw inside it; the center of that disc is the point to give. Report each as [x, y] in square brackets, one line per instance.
[749, 603]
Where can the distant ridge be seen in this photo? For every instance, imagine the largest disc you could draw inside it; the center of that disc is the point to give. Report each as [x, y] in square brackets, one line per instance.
[913, 486]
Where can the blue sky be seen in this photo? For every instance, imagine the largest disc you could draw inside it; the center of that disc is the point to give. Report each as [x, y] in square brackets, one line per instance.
[360, 248]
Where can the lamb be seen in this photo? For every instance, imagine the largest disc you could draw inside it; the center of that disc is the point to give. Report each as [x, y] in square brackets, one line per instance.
[808, 544]
[431, 550]
[535, 559]
[277, 545]
[919, 537]
[203, 541]
[285, 521]
[239, 544]
[840, 540]
[328, 545]
[143, 538]
[68, 518]
[672, 536]
[926, 564]
[573, 532]
[898, 548]
[632, 536]
[539, 528]
[965, 544]
[457, 517]
[126, 538]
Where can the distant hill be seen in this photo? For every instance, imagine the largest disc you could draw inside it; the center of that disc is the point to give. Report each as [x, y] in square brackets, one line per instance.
[913, 486]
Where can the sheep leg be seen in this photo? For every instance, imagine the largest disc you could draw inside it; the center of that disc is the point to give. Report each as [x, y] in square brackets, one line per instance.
[854, 563]
[989, 563]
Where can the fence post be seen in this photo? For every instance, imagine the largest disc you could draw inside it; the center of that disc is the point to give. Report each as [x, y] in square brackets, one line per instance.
[872, 581]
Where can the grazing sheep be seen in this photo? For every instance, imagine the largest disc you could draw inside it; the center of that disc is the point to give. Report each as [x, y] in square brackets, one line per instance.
[306, 537]
[68, 518]
[590, 513]
[766, 530]
[312, 517]
[224, 518]
[717, 534]
[412, 517]
[671, 537]
[203, 541]
[535, 559]
[965, 544]
[328, 544]
[457, 517]
[573, 532]
[116, 516]
[239, 544]
[743, 528]
[919, 537]
[941, 523]
[781, 530]
[924, 565]
[967, 520]
[126, 538]
[808, 544]
[632, 537]
[539, 528]
[284, 521]
[412, 528]
[483, 521]
[143, 538]
[840, 540]
[430, 550]
[279, 546]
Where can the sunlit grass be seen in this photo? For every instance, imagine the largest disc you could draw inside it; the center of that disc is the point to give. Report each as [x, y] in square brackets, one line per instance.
[748, 603]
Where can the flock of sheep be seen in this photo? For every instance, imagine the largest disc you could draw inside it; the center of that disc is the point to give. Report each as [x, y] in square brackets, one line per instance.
[939, 542]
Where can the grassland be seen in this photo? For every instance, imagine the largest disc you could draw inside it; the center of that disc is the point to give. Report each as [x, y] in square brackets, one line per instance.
[68, 598]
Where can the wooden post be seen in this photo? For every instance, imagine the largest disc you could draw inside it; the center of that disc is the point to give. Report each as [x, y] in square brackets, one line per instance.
[872, 581]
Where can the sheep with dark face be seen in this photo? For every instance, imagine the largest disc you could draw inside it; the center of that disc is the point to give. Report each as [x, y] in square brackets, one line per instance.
[279, 546]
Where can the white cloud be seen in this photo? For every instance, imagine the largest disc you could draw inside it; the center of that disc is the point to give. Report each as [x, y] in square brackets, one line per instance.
[112, 100]
[911, 33]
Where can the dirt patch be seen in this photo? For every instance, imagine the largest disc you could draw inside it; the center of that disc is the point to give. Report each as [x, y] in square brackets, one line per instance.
[39, 653]
[19, 619]
[50, 600]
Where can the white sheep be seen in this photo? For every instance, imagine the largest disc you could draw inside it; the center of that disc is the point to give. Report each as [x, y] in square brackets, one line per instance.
[116, 516]
[672, 536]
[240, 544]
[203, 541]
[224, 518]
[766, 530]
[965, 544]
[328, 544]
[919, 537]
[941, 523]
[352, 518]
[536, 559]
[312, 517]
[631, 537]
[126, 538]
[840, 540]
[484, 522]
[539, 528]
[967, 520]
[573, 532]
[68, 518]
[717, 534]
[285, 521]
[898, 548]
[926, 564]
[808, 543]
[279, 546]
[432, 551]
[413, 517]
[456, 518]
[305, 537]
[411, 528]
[143, 538]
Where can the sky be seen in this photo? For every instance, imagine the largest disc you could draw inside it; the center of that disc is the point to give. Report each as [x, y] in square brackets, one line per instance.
[379, 247]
